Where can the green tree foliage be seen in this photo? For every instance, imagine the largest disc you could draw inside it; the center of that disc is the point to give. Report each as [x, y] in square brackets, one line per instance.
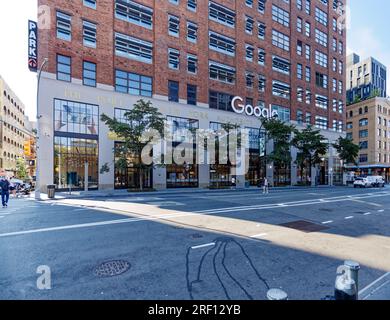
[347, 150]
[141, 119]
[21, 169]
[311, 148]
[280, 133]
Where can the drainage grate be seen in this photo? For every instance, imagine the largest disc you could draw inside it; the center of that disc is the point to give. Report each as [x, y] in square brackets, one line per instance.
[112, 268]
[304, 226]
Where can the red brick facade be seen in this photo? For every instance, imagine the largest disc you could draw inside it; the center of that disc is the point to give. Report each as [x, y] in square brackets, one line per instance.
[107, 61]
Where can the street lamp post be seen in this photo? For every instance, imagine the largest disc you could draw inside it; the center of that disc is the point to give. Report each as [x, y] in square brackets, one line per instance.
[37, 184]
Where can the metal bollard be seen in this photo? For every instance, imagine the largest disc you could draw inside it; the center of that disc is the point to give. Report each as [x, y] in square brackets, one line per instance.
[277, 294]
[353, 269]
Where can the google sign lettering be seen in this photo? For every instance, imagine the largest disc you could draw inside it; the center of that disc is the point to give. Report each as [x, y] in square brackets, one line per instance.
[249, 110]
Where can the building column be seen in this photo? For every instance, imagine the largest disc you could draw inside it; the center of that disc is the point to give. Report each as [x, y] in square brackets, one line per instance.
[330, 165]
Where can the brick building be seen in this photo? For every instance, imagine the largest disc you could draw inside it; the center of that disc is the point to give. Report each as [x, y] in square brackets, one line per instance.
[190, 58]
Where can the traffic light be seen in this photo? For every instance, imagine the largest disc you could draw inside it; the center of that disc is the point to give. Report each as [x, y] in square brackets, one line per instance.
[27, 148]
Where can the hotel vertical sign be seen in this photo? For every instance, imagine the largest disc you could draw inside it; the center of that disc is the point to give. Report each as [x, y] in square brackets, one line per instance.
[32, 46]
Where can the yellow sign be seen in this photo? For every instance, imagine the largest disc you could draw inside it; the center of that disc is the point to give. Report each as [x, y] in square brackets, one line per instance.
[27, 148]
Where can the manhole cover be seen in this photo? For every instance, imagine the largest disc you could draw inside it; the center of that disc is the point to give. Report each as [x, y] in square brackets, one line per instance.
[304, 226]
[112, 268]
[196, 236]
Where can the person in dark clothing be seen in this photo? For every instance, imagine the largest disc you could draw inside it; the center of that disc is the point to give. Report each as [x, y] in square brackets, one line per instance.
[4, 187]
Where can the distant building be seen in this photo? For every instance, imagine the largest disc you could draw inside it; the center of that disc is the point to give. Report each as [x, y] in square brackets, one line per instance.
[368, 124]
[15, 130]
[365, 79]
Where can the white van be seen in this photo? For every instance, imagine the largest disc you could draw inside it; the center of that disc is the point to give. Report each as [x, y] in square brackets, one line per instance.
[376, 181]
[362, 183]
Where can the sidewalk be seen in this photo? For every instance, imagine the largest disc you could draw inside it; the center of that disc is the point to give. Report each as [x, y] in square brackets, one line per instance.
[378, 290]
[125, 193]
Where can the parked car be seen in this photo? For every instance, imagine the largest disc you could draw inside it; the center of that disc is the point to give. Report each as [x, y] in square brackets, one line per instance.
[362, 183]
[376, 181]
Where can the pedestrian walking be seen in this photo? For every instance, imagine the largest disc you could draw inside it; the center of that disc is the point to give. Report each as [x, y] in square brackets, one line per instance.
[4, 186]
[266, 186]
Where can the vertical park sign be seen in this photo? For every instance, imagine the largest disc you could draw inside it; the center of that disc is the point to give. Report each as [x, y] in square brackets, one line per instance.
[32, 46]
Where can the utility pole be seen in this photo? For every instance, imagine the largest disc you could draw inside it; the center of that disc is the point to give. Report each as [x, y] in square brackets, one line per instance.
[37, 183]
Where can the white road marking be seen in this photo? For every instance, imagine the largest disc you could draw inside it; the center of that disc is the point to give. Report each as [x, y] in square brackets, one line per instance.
[203, 246]
[367, 214]
[374, 283]
[261, 235]
[366, 202]
[328, 222]
[349, 218]
[377, 289]
[381, 210]
[2, 217]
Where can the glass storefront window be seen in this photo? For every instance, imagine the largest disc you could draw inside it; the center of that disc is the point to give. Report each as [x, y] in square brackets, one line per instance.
[75, 117]
[70, 157]
[182, 176]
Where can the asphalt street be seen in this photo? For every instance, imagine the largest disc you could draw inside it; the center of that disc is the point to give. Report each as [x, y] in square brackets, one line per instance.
[204, 245]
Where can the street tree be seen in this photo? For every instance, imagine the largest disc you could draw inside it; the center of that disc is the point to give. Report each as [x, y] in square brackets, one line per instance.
[280, 133]
[310, 147]
[21, 169]
[142, 118]
[347, 150]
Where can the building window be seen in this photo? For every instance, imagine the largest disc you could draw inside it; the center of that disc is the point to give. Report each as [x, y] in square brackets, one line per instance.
[281, 16]
[262, 83]
[90, 3]
[173, 25]
[261, 6]
[284, 113]
[363, 134]
[261, 30]
[89, 34]
[222, 72]
[133, 83]
[192, 63]
[222, 14]
[64, 26]
[321, 123]
[249, 24]
[174, 59]
[134, 12]
[321, 17]
[261, 57]
[363, 158]
[321, 38]
[74, 117]
[281, 89]
[191, 5]
[191, 94]
[64, 66]
[280, 65]
[249, 79]
[133, 48]
[173, 91]
[222, 44]
[280, 40]
[89, 74]
[192, 32]
[299, 71]
[220, 101]
[249, 51]
[308, 74]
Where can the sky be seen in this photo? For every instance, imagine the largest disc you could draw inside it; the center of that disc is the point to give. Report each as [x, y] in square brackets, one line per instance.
[368, 35]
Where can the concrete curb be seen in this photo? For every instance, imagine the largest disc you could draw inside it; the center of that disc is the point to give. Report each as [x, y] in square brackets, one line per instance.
[123, 193]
